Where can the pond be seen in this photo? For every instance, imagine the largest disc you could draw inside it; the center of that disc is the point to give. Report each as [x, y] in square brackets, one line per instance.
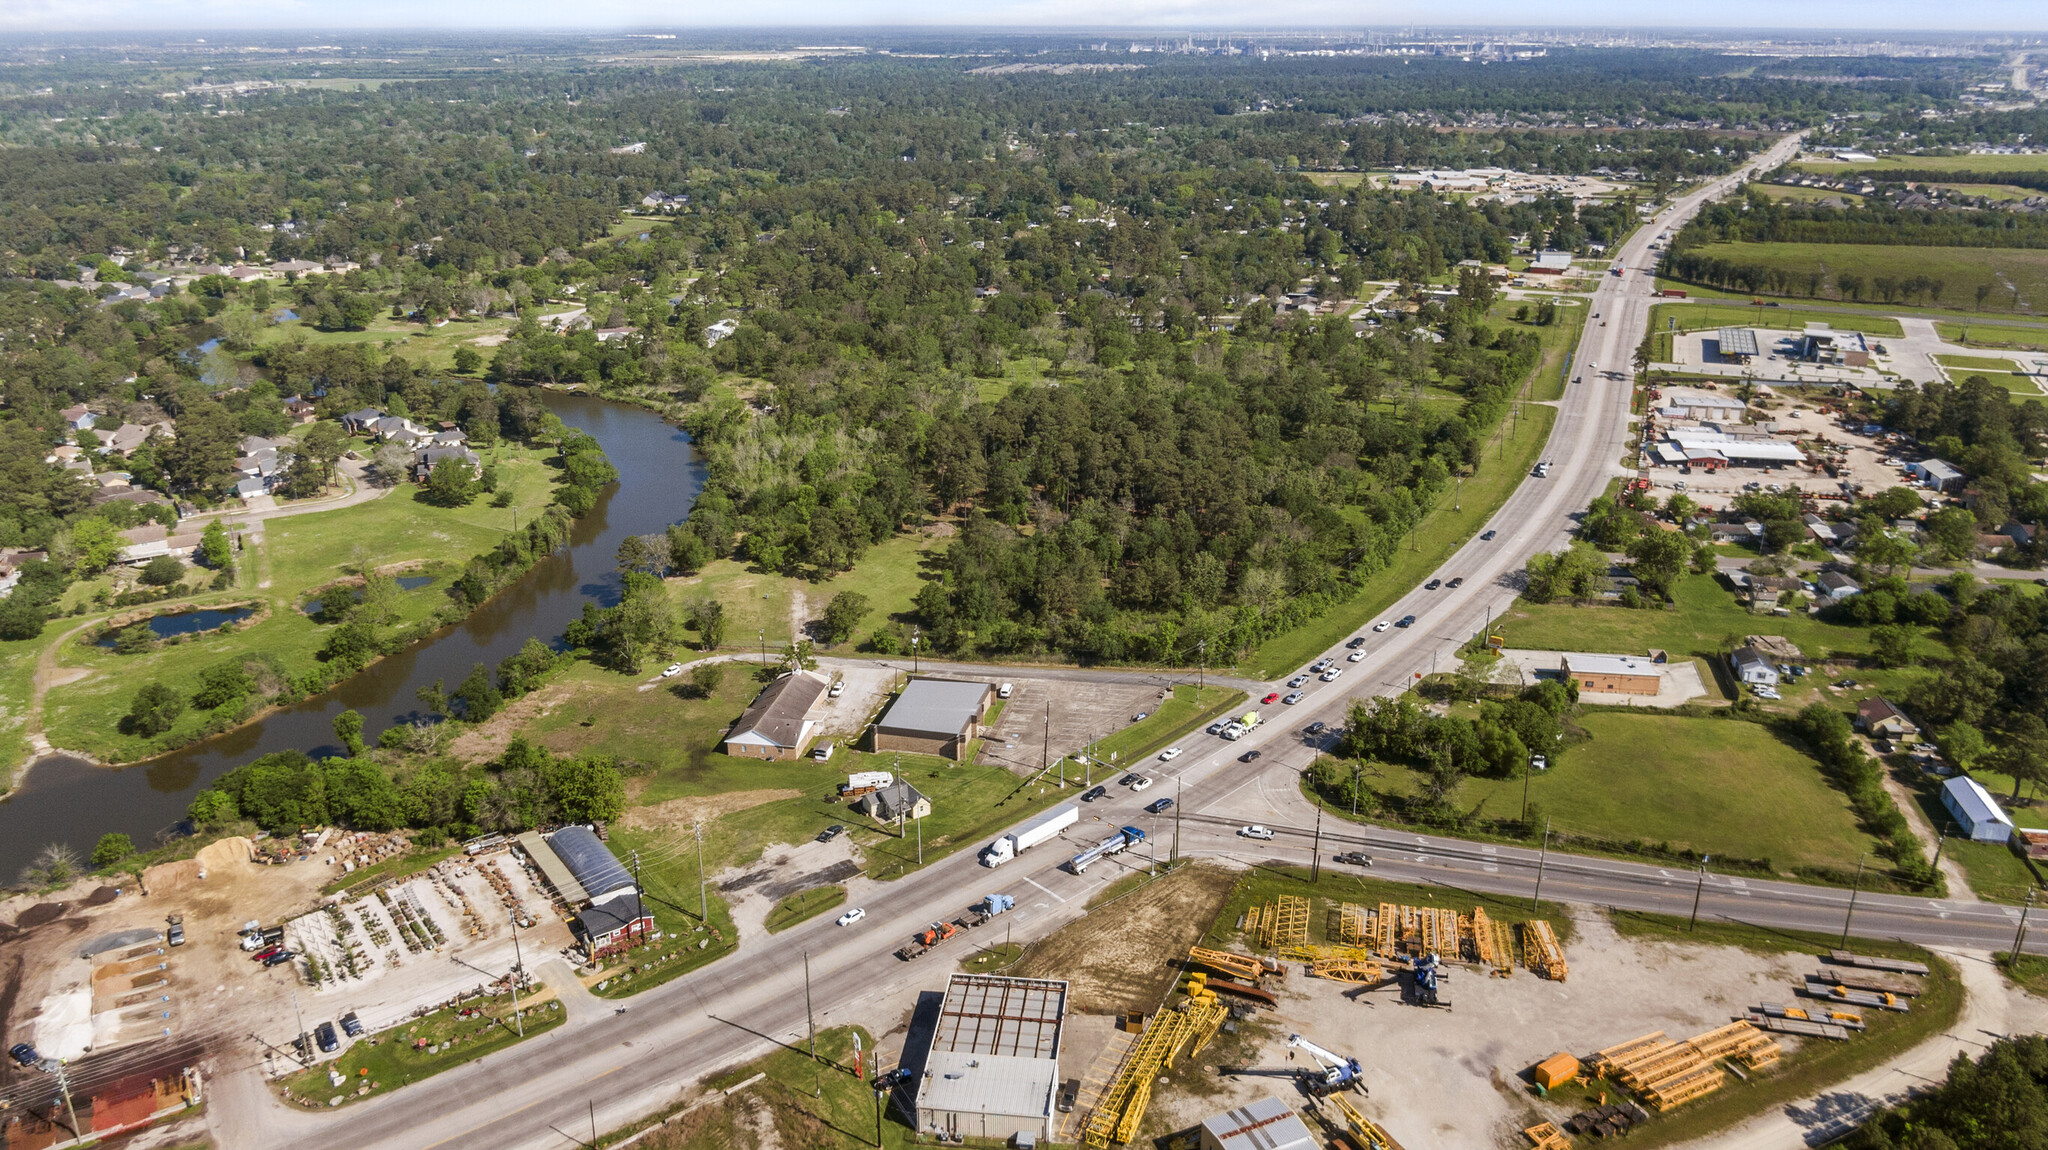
[64, 798]
[191, 622]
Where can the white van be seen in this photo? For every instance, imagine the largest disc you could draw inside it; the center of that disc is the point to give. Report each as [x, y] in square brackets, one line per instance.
[1003, 692]
[822, 752]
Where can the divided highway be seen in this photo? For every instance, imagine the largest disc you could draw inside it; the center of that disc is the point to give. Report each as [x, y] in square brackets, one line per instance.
[614, 1067]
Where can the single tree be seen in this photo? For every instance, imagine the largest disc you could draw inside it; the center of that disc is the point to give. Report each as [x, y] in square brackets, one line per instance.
[154, 710]
[112, 848]
[348, 727]
[844, 614]
[162, 571]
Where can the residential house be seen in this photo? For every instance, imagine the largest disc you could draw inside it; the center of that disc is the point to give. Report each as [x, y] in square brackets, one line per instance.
[2021, 534]
[1827, 534]
[611, 334]
[1765, 591]
[428, 456]
[400, 430]
[720, 330]
[1747, 531]
[777, 725]
[362, 422]
[1881, 719]
[129, 436]
[897, 800]
[1836, 585]
[1753, 667]
[78, 418]
[300, 409]
[249, 487]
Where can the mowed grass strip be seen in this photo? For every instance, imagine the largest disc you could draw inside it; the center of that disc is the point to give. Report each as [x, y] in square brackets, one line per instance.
[1708, 316]
[1976, 362]
[392, 1061]
[1997, 337]
[1973, 163]
[805, 905]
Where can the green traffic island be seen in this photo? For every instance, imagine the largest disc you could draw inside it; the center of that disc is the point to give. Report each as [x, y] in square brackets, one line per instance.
[805, 905]
[382, 1062]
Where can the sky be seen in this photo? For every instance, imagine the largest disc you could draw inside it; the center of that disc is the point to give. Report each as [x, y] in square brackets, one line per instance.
[1845, 15]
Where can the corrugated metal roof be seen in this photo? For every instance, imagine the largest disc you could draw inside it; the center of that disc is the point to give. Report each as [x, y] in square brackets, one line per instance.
[1974, 802]
[1264, 1124]
[598, 871]
[551, 867]
[936, 707]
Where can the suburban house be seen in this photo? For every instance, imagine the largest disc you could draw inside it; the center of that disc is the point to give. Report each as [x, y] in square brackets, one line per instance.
[720, 330]
[1939, 474]
[399, 429]
[144, 543]
[1753, 667]
[1613, 674]
[78, 418]
[129, 436]
[1836, 585]
[897, 800]
[1766, 590]
[1830, 534]
[300, 409]
[427, 457]
[1882, 719]
[775, 726]
[1975, 811]
[934, 717]
[363, 422]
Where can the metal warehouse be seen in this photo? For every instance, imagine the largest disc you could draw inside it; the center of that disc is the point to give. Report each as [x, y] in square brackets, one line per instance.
[593, 882]
[994, 1060]
[934, 717]
[1264, 1124]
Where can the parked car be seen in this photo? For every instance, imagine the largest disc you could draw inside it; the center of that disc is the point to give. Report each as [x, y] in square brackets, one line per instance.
[1255, 831]
[1354, 656]
[1141, 716]
[1169, 754]
[1317, 727]
[1157, 806]
[351, 1025]
[280, 957]
[851, 916]
[672, 670]
[175, 936]
[1539, 761]
[1768, 693]
[1093, 793]
[265, 955]
[1456, 583]
[1003, 692]
[1248, 756]
[1070, 1090]
[1487, 536]
[25, 1054]
[838, 689]
[831, 832]
[325, 1036]
[1270, 699]
[1356, 642]
[1143, 782]
[1381, 625]
[1432, 585]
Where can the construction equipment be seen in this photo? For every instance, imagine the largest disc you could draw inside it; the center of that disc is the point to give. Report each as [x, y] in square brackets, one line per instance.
[1546, 1136]
[1540, 948]
[1290, 921]
[1428, 975]
[1337, 1072]
[1115, 1119]
[1555, 1070]
[1228, 962]
[928, 938]
[1114, 844]
[1352, 924]
[1368, 1132]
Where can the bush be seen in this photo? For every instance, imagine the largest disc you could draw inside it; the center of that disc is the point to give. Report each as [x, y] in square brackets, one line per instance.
[155, 710]
[163, 571]
[112, 848]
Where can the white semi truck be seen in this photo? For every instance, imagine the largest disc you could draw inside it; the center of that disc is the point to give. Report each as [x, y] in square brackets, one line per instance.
[1017, 840]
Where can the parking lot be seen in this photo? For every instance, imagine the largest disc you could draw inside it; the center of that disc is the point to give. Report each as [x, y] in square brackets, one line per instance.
[1080, 713]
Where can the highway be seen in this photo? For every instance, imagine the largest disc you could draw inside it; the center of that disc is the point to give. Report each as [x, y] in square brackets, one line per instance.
[611, 1068]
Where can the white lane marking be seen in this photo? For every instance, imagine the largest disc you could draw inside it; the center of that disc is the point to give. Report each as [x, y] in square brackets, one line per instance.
[1040, 886]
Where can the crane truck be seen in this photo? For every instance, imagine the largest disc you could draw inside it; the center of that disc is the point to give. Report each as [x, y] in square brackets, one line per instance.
[1016, 841]
[1116, 843]
[1337, 1072]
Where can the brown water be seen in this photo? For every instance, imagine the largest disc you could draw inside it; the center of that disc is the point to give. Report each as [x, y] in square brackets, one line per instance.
[65, 799]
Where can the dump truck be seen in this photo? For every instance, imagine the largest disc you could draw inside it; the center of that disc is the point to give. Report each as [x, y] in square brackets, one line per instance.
[990, 906]
[1017, 840]
[928, 938]
[1116, 843]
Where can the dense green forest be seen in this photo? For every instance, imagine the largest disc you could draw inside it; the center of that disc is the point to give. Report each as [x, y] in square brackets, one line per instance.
[1997, 1101]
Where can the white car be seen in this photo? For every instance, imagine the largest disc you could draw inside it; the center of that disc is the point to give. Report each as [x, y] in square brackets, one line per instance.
[1169, 754]
[851, 917]
[1381, 625]
[838, 689]
[1768, 693]
[1354, 656]
[1003, 692]
[1255, 831]
[672, 670]
[1142, 782]
[1330, 676]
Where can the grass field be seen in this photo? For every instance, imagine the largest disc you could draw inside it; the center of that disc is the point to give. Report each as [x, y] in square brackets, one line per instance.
[820, 1105]
[1799, 195]
[392, 1061]
[757, 601]
[432, 346]
[1991, 335]
[1190, 708]
[1708, 316]
[1976, 363]
[17, 681]
[1993, 191]
[2018, 277]
[1878, 166]
[805, 905]
[1443, 531]
[298, 553]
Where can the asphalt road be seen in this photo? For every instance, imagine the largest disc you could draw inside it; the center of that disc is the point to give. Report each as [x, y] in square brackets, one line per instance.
[611, 1068]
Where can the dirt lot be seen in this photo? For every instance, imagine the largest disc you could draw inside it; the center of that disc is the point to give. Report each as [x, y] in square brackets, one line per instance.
[1124, 957]
[1861, 465]
[1081, 713]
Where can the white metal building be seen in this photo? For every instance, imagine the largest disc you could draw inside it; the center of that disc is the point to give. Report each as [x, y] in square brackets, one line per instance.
[1265, 1124]
[994, 1060]
[1975, 810]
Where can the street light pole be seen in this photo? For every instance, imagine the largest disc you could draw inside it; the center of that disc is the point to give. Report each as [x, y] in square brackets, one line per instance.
[703, 899]
[915, 635]
[1853, 891]
[1180, 791]
[1315, 862]
[1694, 922]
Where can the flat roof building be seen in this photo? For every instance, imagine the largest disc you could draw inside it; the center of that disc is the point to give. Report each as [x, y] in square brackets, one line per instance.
[1821, 343]
[776, 725]
[1614, 674]
[1263, 1124]
[1736, 343]
[1715, 449]
[994, 1059]
[1704, 406]
[934, 717]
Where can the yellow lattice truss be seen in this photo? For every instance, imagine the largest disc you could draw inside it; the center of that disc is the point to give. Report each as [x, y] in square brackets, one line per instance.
[1348, 970]
[1540, 948]
[1226, 962]
[1353, 925]
[1370, 1136]
[1258, 925]
[1290, 927]
[1547, 1136]
[1115, 1120]
[1386, 929]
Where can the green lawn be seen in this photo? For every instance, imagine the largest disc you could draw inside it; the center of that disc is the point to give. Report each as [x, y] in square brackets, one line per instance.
[1976, 363]
[1443, 531]
[805, 905]
[1961, 270]
[1787, 192]
[757, 601]
[1708, 316]
[298, 553]
[392, 1061]
[1993, 191]
[818, 1105]
[432, 346]
[1190, 708]
[17, 679]
[1996, 336]
[1705, 620]
[1877, 167]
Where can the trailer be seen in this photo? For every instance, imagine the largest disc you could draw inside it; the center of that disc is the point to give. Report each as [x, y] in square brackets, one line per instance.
[1119, 841]
[928, 938]
[1043, 828]
[990, 906]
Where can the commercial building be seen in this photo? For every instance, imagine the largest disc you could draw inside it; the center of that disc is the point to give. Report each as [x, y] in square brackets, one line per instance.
[1714, 450]
[934, 717]
[1979, 815]
[1939, 474]
[1264, 1124]
[1821, 343]
[1614, 674]
[1736, 344]
[593, 882]
[1704, 406]
[777, 725]
[994, 1060]
[1550, 263]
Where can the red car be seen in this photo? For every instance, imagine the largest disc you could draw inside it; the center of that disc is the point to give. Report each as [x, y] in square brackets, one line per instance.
[1272, 698]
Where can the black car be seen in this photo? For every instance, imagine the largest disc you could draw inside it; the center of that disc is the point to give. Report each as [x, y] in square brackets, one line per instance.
[351, 1025]
[1432, 585]
[1355, 644]
[1069, 1091]
[281, 956]
[1093, 793]
[1487, 536]
[1405, 621]
[1158, 805]
[1355, 858]
[1316, 728]
[1456, 583]
[25, 1054]
[830, 833]
[324, 1034]
[1248, 756]
[1127, 780]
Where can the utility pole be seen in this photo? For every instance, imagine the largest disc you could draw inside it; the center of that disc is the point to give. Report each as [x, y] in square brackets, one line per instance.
[1180, 791]
[1853, 891]
[305, 1047]
[764, 646]
[1045, 753]
[1941, 844]
[920, 841]
[1542, 856]
[1354, 790]
[519, 960]
[703, 899]
[1201, 668]
[879, 1095]
[811, 1024]
[1527, 770]
[2019, 938]
[1315, 862]
[1694, 922]
[64, 1085]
